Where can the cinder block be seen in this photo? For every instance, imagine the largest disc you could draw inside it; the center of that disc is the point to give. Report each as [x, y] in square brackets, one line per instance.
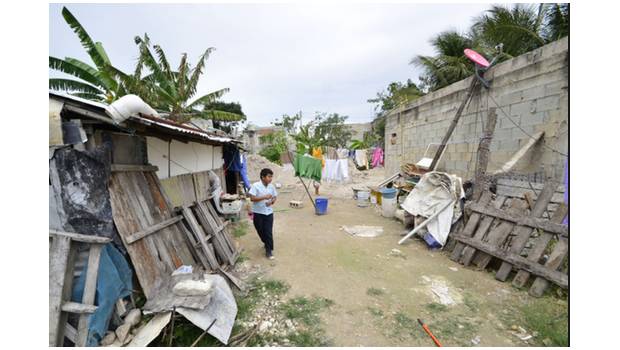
[532, 119]
[548, 103]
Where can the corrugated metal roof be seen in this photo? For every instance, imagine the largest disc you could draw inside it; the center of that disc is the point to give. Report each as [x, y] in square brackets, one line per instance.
[162, 124]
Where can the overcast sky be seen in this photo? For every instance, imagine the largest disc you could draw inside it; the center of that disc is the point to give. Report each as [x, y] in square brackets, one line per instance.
[275, 58]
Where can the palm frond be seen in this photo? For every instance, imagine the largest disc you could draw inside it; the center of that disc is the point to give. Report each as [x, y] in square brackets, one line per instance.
[221, 116]
[77, 69]
[193, 81]
[73, 86]
[208, 98]
[91, 48]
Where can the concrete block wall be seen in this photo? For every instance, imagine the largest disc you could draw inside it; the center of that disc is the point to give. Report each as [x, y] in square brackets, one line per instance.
[531, 89]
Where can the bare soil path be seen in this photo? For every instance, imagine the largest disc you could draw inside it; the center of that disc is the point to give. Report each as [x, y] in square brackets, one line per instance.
[378, 293]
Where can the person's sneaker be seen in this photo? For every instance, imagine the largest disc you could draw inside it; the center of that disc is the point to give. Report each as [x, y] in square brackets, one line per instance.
[269, 255]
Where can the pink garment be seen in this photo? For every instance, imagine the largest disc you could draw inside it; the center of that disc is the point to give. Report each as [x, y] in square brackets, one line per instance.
[377, 157]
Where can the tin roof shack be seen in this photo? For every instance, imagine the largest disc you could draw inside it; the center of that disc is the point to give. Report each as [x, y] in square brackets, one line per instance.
[104, 181]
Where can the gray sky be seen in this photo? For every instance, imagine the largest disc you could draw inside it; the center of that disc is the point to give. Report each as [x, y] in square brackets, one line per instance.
[275, 58]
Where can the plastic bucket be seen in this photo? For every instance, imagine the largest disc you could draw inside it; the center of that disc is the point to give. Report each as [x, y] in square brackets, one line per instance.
[362, 198]
[388, 192]
[321, 205]
[388, 206]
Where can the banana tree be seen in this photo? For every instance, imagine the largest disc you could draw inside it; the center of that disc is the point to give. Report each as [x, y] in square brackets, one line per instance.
[173, 91]
[102, 83]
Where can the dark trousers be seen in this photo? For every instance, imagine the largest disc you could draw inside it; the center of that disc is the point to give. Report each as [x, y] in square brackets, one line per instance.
[264, 227]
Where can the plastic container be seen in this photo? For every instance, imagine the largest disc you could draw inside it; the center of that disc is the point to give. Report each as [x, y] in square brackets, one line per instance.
[321, 205]
[388, 193]
[362, 198]
[388, 206]
[375, 197]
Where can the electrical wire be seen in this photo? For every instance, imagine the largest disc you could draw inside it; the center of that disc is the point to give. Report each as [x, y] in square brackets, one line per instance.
[525, 132]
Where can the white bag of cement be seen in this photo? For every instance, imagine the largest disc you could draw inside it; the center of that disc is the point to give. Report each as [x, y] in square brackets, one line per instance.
[193, 288]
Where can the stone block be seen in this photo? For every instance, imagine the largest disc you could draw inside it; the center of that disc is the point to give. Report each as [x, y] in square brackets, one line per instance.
[532, 119]
[548, 103]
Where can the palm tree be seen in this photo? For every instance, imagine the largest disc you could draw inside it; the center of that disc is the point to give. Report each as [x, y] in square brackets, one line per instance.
[102, 83]
[173, 91]
[450, 64]
[557, 25]
[518, 28]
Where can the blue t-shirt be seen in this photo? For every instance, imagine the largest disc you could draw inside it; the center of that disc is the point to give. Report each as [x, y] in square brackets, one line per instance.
[259, 190]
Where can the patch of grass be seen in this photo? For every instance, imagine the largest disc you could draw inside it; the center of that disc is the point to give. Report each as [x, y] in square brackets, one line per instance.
[436, 307]
[274, 286]
[305, 310]
[404, 321]
[242, 257]
[471, 302]
[453, 331]
[549, 318]
[374, 291]
[308, 338]
[240, 229]
[375, 311]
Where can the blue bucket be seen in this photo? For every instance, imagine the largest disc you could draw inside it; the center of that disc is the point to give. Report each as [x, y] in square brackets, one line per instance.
[321, 205]
[388, 193]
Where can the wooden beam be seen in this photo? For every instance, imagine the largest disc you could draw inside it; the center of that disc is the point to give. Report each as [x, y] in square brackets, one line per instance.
[59, 255]
[133, 167]
[88, 296]
[470, 226]
[559, 278]
[157, 227]
[483, 155]
[82, 238]
[77, 308]
[457, 116]
[542, 224]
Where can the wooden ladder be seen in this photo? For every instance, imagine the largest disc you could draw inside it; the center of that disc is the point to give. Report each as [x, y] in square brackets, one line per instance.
[62, 265]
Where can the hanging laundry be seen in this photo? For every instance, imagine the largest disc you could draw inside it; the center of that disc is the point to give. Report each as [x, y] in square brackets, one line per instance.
[317, 153]
[377, 157]
[336, 170]
[342, 153]
[308, 167]
[331, 153]
[361, 160]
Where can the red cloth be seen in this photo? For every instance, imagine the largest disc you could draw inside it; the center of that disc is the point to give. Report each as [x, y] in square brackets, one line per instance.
[377, 157]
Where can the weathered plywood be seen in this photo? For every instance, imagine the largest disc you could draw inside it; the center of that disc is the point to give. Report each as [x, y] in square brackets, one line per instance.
[470, 227]
[201, 185]
[137, 204]
[180, 190]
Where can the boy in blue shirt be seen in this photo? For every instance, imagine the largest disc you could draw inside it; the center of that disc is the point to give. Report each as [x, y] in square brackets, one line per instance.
[263, 196]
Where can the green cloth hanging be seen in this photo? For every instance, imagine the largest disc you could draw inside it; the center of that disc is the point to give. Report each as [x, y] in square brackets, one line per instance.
[308, 167]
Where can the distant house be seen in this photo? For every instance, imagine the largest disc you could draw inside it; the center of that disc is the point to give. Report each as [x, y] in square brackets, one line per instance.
[252, 137]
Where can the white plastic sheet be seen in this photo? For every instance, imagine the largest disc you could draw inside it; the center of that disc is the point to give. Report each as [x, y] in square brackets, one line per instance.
[434, 191]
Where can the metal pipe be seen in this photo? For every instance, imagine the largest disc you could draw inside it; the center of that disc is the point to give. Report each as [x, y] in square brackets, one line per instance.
[425, 222]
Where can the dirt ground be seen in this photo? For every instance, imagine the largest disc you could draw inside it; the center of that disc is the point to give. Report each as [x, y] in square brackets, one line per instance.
[379, 293]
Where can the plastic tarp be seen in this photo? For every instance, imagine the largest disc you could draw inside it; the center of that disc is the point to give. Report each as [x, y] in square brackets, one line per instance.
[114, 281]
[434, 191]
[222, 309]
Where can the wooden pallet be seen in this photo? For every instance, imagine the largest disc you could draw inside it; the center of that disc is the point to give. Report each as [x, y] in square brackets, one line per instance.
[501, 228]
[63, 253]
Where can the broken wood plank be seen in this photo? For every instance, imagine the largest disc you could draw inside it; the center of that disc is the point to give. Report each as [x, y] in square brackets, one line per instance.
[88, 297]
[152, 229]
[560, 251]
[522, 233]
[59, 255]
[200, 237]
[559, 278]
[485, 224]
[133, 167]
[67, 289]
[148, 332]
[78, 308]
[542, 224]
[209, 224]
[540, 245]
[514, 192]
[498, 235]
[234, 280]
[70, 333]
[80, 237]
[470, 226]
[527, 185]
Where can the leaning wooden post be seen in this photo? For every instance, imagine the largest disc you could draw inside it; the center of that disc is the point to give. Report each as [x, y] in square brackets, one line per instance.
[483, 155]
[446, 138]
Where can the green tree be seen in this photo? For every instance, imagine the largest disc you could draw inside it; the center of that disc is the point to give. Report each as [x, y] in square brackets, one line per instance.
[275, 145]
[101, 83]
[557, 21]
[290, 124]
[449, 65]
[173, 91]
[396, 94]
[519, 28]
[332, 130]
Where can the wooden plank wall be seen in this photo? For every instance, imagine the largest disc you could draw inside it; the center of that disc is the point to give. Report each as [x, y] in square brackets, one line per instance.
[137, 204]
